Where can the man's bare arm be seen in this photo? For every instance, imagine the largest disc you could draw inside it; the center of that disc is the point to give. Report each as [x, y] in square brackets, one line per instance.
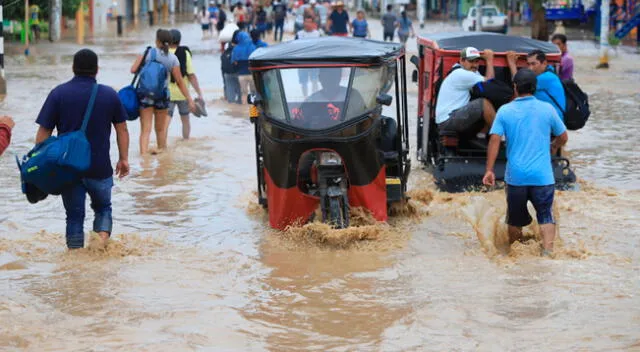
[43, 134]
[489, 178]
[559, 142]
[122, 136]
[488, 57]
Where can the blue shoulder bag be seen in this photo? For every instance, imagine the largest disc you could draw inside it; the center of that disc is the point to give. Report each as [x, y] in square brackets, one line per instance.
[129, 96]
[59, 161]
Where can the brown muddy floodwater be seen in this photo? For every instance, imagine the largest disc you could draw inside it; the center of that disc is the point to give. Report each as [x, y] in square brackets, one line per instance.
[193, 265]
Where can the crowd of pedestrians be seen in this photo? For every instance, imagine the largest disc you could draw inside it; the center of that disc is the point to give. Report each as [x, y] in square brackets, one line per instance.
[252, 28]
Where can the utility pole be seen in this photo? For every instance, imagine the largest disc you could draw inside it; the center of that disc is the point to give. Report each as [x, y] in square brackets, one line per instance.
[80, 23]
[422, 4]
[165, 12]
[26, 27]
[150, 9]
[478, 15]
[91, 15]
[604, 35]
[3, 82]
[55, 17]
[512, 12]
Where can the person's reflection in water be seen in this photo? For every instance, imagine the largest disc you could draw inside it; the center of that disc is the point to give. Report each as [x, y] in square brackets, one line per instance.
[324, 108]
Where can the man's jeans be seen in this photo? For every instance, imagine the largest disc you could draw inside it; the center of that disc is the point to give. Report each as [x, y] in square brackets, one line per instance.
[232, 86]
[279, 27]
[74, 204]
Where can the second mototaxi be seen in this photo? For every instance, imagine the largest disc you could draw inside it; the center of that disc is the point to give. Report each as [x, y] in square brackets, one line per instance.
[458, 162]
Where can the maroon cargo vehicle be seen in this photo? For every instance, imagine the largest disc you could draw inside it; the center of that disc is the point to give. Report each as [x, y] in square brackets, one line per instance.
[458, 163]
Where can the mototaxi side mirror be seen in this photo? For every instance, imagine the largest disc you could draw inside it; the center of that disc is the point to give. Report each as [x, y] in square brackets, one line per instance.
[414, 60]
[253, 99]
[414, 76]
[384, 99]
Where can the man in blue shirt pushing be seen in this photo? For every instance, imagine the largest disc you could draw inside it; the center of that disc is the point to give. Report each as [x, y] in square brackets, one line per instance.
[527, 125]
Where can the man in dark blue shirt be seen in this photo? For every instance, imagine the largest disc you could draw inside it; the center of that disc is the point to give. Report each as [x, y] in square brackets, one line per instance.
[64, 111]
[338, 21]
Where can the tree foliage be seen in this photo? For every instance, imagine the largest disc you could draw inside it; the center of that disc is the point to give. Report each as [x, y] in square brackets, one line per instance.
[15, 10]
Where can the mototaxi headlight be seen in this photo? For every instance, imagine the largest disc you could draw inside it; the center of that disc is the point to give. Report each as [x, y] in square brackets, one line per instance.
[330, 159]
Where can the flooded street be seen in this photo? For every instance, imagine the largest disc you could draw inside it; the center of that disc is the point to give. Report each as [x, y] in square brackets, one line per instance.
[194, 266]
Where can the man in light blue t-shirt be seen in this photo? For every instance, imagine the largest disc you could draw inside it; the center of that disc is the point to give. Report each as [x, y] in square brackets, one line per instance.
[455, 111]
[527, 125]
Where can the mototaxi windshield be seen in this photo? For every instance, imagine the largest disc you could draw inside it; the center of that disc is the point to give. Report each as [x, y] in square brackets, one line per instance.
[317, 98]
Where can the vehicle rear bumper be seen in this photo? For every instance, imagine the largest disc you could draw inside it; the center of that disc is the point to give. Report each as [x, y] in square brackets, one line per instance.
[464, 174]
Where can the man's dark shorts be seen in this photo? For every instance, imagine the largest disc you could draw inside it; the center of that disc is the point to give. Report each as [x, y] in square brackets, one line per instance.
[465, 119]
[540, 196]
[183, 107]
[388, 35]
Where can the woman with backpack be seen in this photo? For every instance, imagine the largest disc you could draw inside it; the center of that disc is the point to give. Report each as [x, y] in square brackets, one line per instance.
[230, 73]
[155, 66]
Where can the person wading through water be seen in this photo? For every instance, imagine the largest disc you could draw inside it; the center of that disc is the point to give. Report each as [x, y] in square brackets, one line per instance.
[150, 107]
[64, 111]
[186, 70]
[527, 125]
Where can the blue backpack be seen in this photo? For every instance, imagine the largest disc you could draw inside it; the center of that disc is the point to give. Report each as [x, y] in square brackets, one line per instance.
[59, 161]
[129, 96]
[153, 79]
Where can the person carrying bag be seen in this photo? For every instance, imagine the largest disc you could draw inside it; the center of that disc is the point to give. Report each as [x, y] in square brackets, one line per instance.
[59, 161]
[77, 163]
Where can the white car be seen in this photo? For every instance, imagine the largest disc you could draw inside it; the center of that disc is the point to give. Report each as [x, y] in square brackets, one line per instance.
[492, 20]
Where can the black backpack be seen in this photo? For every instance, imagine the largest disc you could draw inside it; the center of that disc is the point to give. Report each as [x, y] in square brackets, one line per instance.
[226, 64]
[577, 110]
[181, 54]
[496, 91]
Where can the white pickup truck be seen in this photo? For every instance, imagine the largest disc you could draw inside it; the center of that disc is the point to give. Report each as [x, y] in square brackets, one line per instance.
[492, 20]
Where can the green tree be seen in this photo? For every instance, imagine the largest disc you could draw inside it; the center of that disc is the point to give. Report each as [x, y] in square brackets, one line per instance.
[69, 7]
[538, 20]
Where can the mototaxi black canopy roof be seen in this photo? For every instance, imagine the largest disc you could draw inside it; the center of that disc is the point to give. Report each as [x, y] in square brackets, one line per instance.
[326, 50]
[494, 41]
